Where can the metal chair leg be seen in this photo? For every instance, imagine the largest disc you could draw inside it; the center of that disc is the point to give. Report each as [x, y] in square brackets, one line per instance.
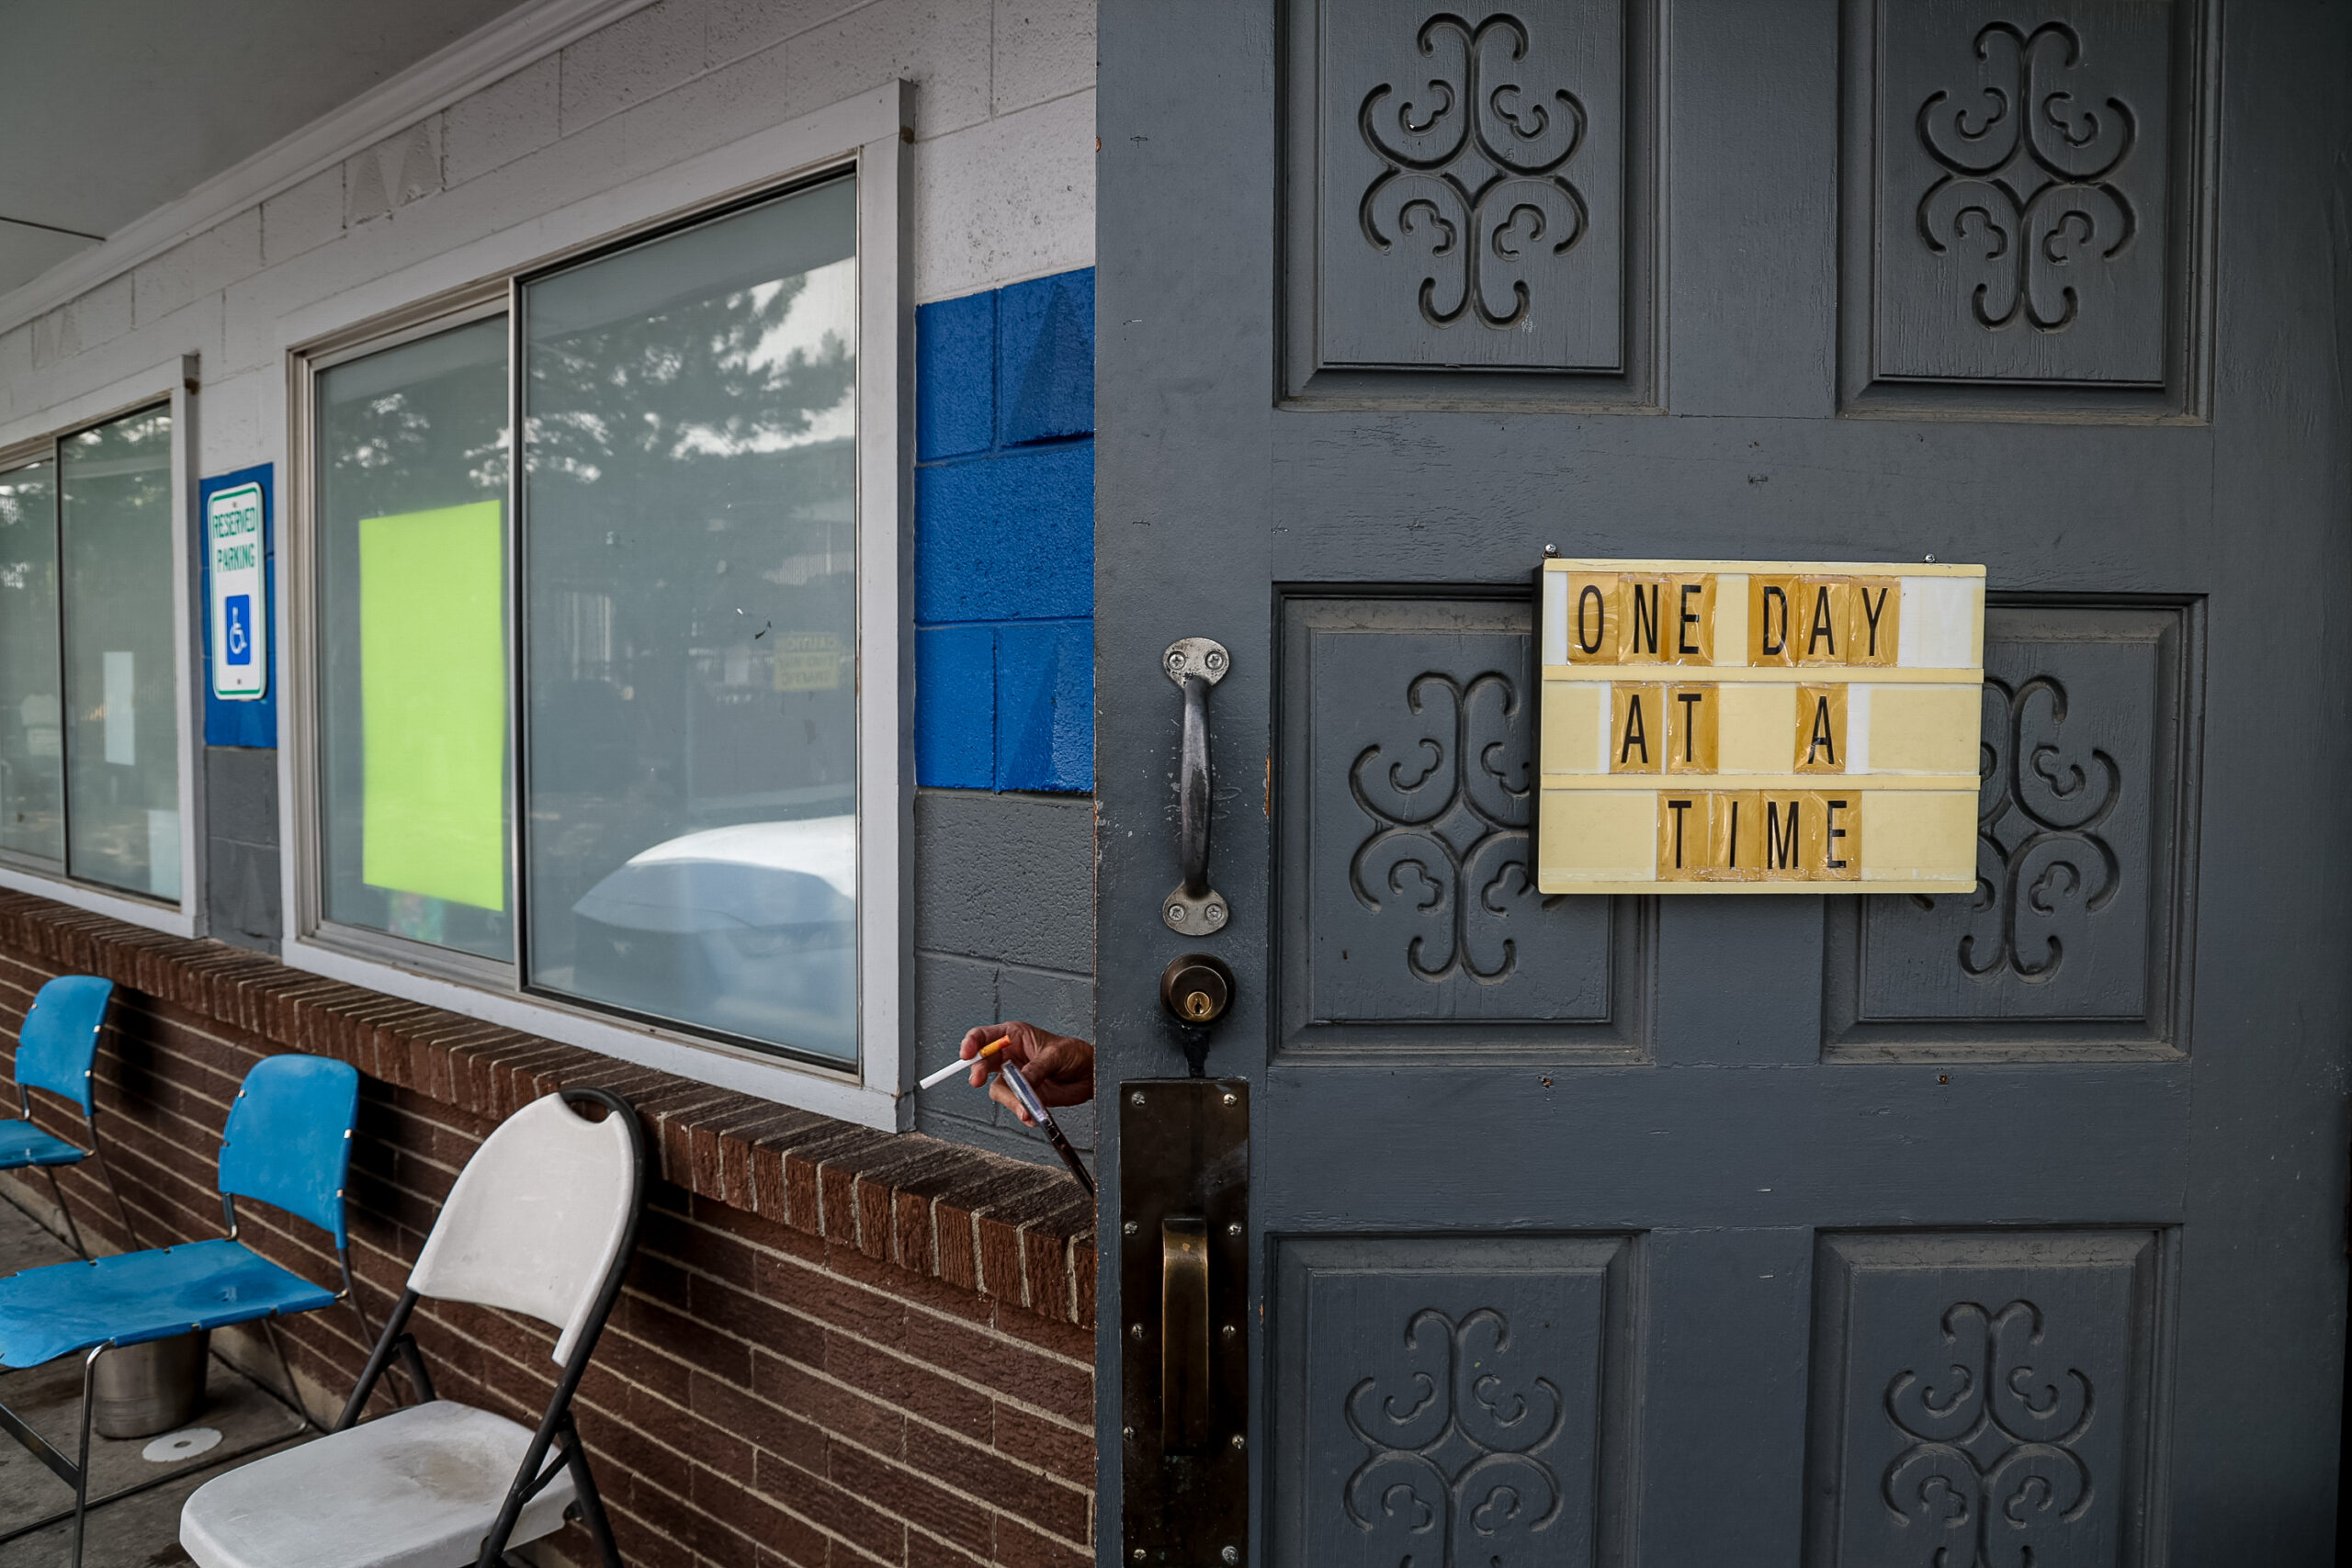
[82, 1483]
[351, 1294]
[590, 1501]
[129, 1231]
[72, 1231]
[286, 1369]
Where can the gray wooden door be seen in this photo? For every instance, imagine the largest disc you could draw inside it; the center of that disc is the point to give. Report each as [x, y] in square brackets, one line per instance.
[1880, 1231]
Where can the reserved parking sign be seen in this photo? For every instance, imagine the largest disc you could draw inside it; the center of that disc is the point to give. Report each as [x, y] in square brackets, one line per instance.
[233, 536]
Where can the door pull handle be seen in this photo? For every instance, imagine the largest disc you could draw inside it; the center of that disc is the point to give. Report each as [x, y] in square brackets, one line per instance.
[1186, 1400]
[1194, 907]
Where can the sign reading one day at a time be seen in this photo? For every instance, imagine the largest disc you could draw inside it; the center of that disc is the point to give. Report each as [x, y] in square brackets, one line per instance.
[1751, 726]
[233, 536]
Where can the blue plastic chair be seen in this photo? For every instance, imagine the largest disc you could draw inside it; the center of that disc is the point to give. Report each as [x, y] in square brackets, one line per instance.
[56, 1047]
[289, 1144]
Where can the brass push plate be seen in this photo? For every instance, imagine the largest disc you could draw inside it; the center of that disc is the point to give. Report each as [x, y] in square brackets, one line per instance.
[1184, 1331]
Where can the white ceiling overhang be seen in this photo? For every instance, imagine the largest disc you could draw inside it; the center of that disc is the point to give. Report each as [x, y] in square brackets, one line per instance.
[127, 126]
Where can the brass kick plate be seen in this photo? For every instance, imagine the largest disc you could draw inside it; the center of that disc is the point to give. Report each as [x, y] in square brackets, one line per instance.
[1184, 1334]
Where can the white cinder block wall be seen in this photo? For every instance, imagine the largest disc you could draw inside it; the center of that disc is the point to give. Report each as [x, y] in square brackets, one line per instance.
[443, 176]
[1003, 173]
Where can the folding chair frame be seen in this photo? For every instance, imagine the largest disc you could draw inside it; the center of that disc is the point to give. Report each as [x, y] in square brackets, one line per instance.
[75, 1472]
[106, 1174]
[556, 1427]
[350, 1293]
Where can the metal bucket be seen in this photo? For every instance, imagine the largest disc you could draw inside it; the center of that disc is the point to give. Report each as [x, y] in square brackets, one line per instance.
[140, 1390]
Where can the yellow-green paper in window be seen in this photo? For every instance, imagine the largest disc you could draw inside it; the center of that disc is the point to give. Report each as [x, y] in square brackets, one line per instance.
[432, 691]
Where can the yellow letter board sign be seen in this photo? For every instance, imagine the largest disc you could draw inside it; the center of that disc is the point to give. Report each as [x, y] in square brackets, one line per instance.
[1759, 726]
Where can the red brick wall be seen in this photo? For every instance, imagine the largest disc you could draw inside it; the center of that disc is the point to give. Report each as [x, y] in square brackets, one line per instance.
[897, 1370]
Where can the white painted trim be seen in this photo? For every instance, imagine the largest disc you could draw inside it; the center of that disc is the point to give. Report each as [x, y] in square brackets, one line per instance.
[173, 382]
[187, 637]
[529, 33]
[83, 896]
[885, 579]
[764, 1078]
[287, 409]
[869, 130]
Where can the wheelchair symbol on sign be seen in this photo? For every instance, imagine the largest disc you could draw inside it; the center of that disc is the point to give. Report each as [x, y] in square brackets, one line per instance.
[237, 636]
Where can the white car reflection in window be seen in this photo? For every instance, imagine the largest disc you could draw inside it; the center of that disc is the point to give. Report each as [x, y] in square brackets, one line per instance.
[750, 929]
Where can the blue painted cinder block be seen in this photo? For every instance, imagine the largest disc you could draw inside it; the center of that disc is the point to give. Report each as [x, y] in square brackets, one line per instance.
[1046, 358]
[956, 377]
[1045, 695]
[955, 706]
[1006, 537]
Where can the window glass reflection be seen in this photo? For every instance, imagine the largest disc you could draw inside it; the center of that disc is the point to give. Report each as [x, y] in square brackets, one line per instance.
[32, 752]
[411, 641]
[689, 521]
[123, 708]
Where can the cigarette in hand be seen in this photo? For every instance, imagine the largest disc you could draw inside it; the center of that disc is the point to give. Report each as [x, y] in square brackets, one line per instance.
[952, 1068]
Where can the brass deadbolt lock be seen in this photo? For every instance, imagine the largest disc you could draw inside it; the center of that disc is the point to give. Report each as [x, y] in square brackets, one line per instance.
[1196, 989]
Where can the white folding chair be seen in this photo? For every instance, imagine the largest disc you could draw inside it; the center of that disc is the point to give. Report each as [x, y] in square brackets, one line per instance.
[541, 1222]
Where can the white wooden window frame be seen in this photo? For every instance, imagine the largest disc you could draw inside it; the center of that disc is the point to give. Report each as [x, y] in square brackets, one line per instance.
[171, 383]
[868, 134]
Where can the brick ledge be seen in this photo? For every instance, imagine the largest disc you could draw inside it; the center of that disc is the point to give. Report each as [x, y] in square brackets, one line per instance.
[1014, 1232]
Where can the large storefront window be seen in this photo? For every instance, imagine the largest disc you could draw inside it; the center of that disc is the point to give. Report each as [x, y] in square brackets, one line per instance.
[675, 602]
[33, 754]
[122, 674]
[411, 448]
[689, 516]
[90, 666]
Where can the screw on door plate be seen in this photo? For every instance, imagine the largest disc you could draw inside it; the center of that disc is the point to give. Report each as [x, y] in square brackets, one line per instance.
[1204, 656]
[1188, 916]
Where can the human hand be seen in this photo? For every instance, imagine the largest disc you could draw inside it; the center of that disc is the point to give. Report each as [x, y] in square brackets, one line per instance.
[1060, 1068]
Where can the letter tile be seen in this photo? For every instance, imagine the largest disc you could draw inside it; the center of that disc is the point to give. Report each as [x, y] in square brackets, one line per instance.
[1692, 719]
[1818, 623]
[1592, 608]
[1833, 837]
[1683, 841]
[1771, 613]
[1637, 729]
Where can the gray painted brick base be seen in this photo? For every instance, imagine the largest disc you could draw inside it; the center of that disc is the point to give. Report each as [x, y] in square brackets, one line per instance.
[240, 893]
[1005, 929]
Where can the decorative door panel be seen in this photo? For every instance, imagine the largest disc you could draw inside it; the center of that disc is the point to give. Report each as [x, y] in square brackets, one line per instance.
[1468, 197]
[2025, 198]
[1411, 919]
[2076, 939]
[1986, 1398]
[1894, 280]
[1452, 1402]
